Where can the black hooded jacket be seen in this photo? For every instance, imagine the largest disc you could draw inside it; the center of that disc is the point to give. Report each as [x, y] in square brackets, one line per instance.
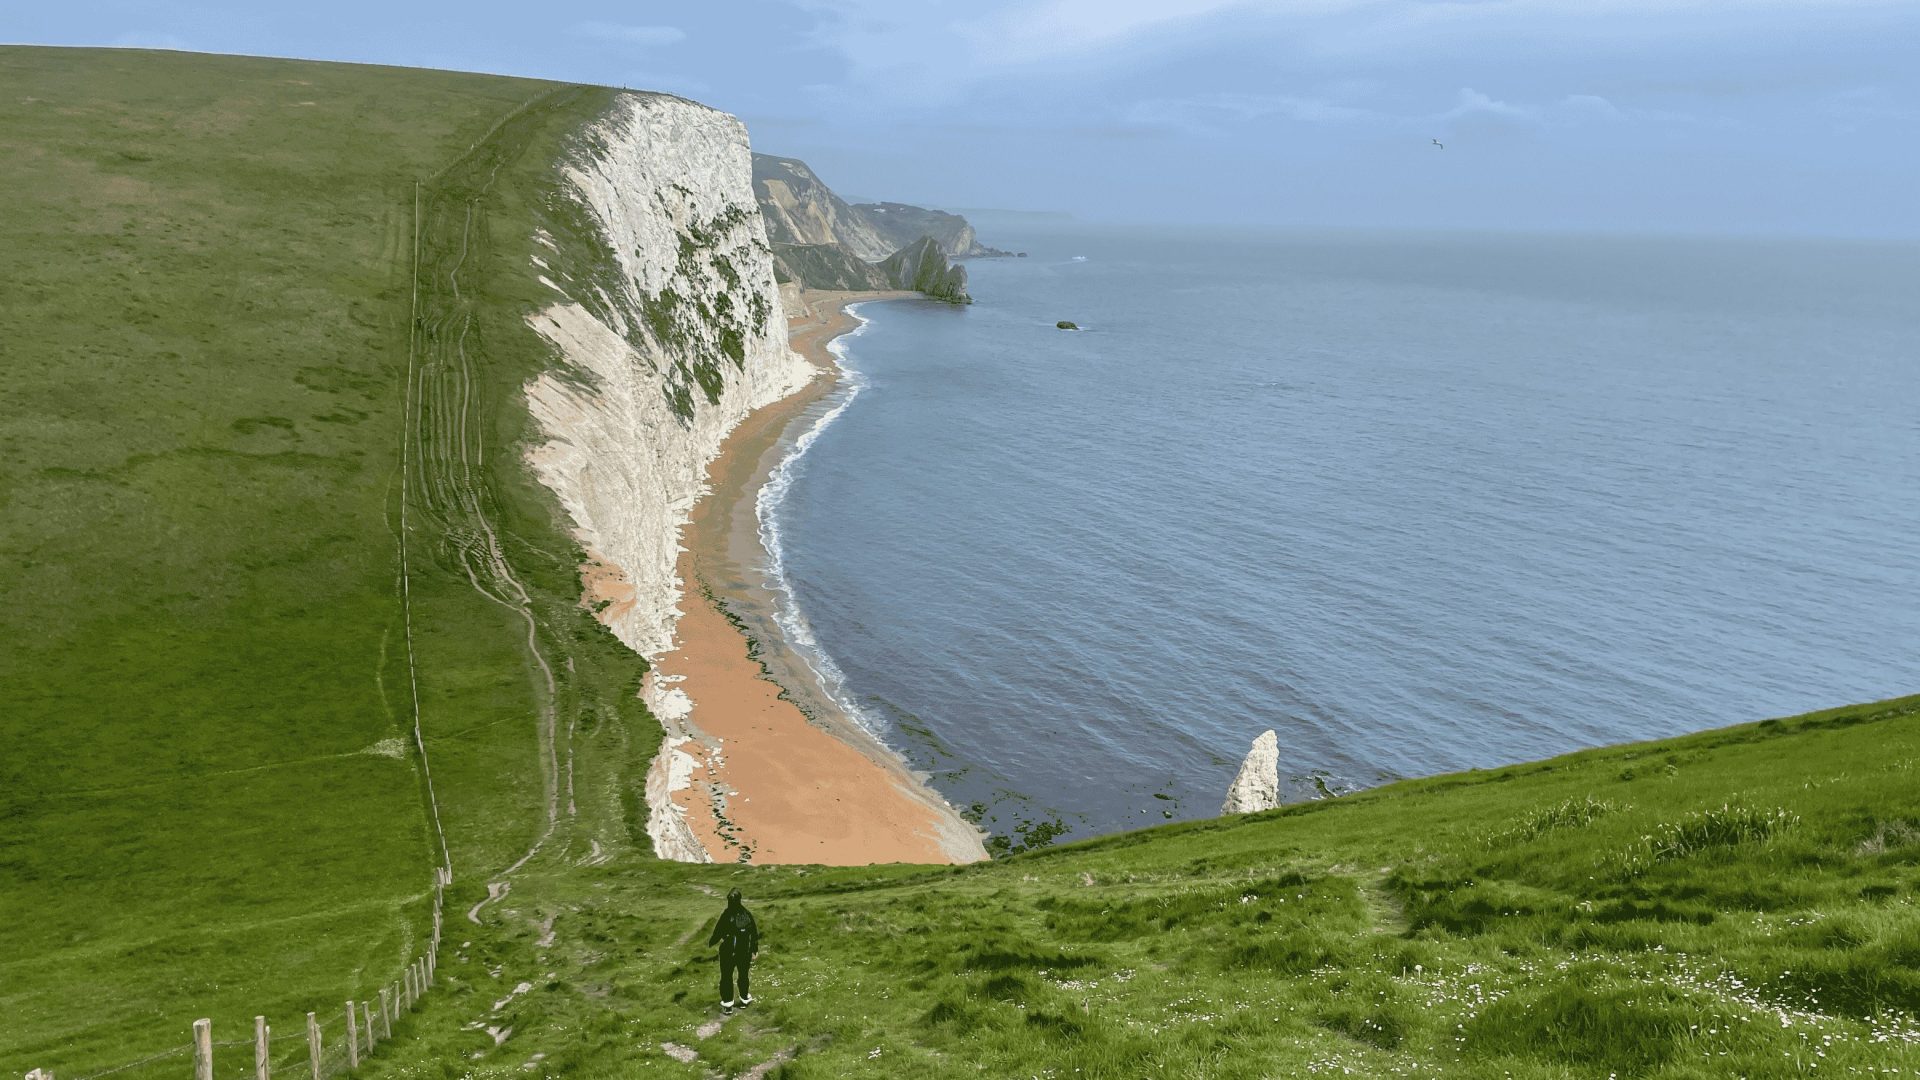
[736, 933]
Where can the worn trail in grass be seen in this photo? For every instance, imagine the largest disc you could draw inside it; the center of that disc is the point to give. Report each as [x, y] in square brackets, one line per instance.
[1495, 923]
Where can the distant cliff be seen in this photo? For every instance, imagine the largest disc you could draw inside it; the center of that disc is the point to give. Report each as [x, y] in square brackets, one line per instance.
[821, 242]
[801, 210]
[903, 224]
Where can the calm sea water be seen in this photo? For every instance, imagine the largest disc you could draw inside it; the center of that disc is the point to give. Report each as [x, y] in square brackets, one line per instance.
[1419, 503]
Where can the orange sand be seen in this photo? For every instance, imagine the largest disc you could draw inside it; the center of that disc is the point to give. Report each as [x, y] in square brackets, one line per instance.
[772, 783]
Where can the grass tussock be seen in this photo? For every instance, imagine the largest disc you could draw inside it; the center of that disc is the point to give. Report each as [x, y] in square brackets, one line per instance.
[1704, 831]
[1570, 814]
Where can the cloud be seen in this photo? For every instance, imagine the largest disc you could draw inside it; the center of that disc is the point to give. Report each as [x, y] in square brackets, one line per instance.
[623, 34]
[929, 52]
[1213, 113]
[1591, 107]
[1858, 107]
[1473, 104]
[1060, 29]
[1333, 106]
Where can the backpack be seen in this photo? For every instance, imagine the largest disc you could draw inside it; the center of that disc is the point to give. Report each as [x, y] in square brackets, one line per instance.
[739, 929]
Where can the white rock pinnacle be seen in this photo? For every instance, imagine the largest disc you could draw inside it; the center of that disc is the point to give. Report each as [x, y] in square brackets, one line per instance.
[1257, 787]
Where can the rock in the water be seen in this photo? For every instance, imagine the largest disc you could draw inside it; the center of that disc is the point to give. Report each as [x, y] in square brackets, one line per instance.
[1257, 787]
[1066, 324]
[923, 267]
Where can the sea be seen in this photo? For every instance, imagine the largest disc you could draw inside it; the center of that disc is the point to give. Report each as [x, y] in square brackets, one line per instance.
[1416, 502]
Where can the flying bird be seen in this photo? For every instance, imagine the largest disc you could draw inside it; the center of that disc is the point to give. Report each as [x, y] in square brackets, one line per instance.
[1439, 144]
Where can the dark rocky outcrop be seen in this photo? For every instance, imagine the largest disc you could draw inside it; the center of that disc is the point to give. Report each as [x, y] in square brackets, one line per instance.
[923, 267]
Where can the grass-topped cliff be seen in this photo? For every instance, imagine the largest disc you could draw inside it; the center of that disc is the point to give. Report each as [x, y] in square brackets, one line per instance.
[263, 430]
[234, 287]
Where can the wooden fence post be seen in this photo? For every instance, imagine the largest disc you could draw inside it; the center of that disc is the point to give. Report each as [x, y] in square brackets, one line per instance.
[313, 1045]
[386, 1012]
[353, 1039]
[262, 1054]
[366, 1013]
[406, 977]
[203, 1049]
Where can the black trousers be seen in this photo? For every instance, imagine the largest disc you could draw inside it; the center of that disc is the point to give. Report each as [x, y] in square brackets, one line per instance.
[729, 963]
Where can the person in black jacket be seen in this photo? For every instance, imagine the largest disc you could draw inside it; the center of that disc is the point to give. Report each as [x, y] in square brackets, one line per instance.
[739, 939]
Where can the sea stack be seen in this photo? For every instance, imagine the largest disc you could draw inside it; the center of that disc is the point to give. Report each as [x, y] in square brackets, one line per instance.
[1257, 786]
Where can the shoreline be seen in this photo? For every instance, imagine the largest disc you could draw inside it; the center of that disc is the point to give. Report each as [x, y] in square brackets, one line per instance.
[761, 763]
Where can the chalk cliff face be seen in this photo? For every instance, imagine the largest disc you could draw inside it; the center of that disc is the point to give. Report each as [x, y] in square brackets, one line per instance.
[669, 329]
[800, 209]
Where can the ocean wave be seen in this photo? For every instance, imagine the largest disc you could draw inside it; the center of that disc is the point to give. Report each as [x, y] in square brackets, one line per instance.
[766, 507]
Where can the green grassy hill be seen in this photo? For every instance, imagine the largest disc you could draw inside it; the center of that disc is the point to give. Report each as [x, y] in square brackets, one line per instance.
[1742, 902]
[211, 799]
[263, 341]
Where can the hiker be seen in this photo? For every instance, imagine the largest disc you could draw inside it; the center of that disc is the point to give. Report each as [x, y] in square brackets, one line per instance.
[739, 939]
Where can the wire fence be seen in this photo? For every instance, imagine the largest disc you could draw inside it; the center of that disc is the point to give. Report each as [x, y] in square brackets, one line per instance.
[320, 1046]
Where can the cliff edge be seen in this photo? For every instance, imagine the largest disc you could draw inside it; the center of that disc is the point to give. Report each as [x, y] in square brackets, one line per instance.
[669, 332]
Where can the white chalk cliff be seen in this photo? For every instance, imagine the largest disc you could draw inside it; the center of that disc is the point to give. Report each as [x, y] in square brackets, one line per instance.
[669, 331]
[1257, 786]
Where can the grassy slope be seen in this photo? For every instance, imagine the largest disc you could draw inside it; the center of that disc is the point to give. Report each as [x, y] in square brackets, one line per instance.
[201, 441]
[1499, 923]
[206, 333]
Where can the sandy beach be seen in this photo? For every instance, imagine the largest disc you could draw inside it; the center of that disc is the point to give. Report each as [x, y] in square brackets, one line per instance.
[779, 773]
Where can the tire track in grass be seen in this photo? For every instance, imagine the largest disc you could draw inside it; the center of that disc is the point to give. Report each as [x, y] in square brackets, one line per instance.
[440, 437]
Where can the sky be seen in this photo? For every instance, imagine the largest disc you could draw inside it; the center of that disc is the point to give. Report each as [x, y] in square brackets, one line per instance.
[1717, 116]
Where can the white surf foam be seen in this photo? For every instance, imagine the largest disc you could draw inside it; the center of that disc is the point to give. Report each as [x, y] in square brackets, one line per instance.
[786, 606]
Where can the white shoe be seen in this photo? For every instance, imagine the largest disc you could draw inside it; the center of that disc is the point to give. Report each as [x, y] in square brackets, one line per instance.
[726, 1006]
[746, 1001]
